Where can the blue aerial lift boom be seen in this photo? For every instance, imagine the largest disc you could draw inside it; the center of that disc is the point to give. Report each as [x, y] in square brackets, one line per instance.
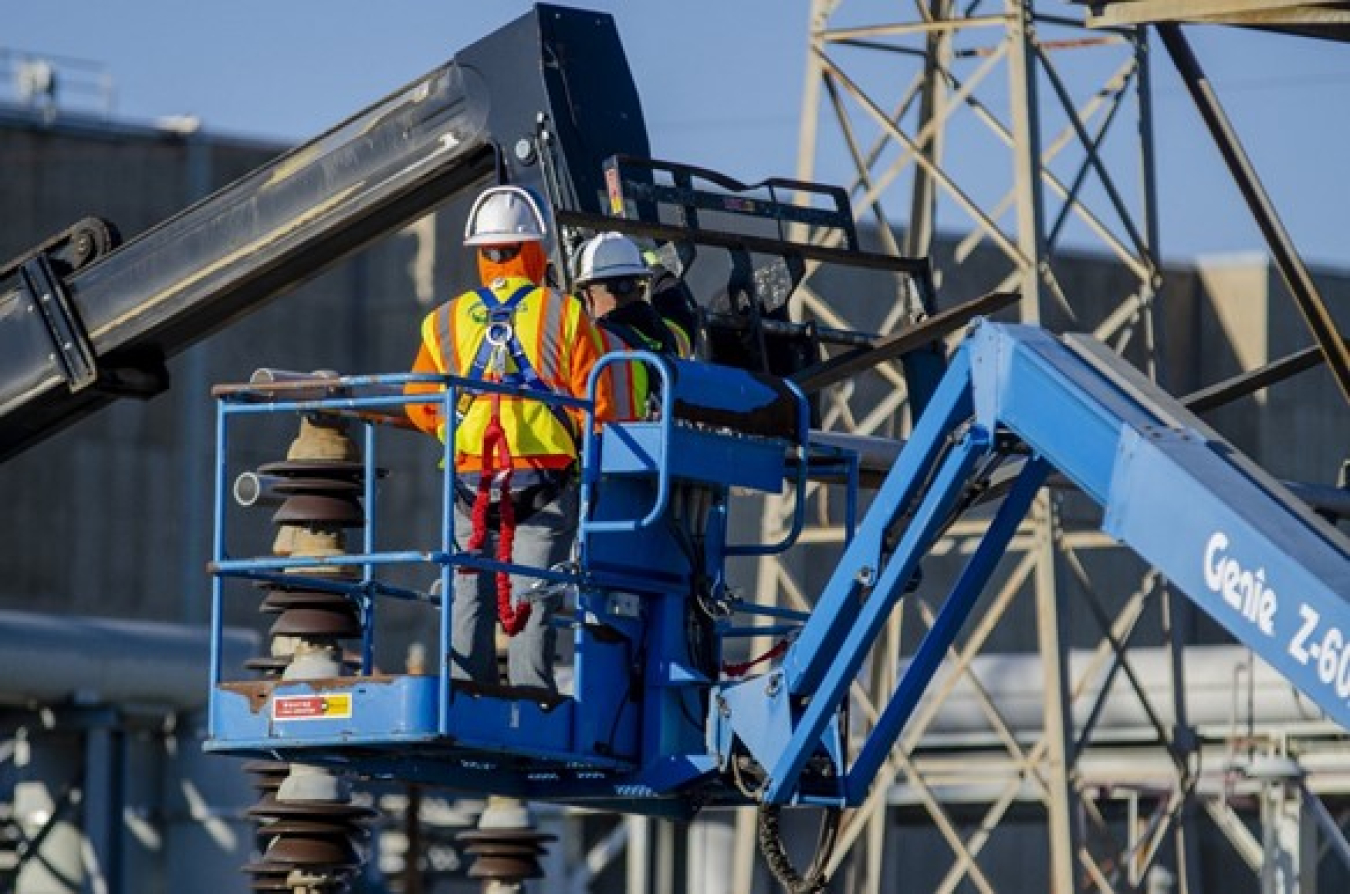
[1271, 571]
[652, 724]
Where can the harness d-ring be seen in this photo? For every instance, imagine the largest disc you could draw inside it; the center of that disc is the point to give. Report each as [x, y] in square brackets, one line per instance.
[499, 333]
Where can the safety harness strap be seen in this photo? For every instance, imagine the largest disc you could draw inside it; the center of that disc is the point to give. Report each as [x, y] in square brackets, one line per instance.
[494, 481]
[500, 334]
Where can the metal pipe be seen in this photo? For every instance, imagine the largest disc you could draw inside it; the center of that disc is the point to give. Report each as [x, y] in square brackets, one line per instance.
[51, 658]
[1015, 681]
[324, 383]
[253, 489]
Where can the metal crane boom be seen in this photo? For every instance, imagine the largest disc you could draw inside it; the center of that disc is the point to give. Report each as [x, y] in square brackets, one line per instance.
[73, 338]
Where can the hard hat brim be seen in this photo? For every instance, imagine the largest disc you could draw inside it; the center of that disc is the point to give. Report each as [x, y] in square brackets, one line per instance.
[500, 239]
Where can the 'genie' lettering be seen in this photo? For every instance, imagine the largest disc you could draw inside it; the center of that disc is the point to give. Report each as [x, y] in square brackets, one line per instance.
[1244, 590]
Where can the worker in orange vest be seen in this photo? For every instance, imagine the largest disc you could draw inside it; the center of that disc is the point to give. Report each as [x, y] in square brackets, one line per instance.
[611, 278]
[515, 456]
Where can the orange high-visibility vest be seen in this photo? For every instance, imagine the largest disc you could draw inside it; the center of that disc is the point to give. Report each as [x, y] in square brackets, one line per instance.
[629, 379]
[632, 381]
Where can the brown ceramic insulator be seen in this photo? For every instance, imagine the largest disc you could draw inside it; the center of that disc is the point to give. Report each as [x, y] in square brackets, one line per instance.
[315, 827]
[269, 665]
[327, 816]
[318, 623]
[321, 511]
[320, 839]
[315, 846]
[280, 600]
[327, 851]
[333, 485]
[267, 779]
[267, 776]
[505, 855]
[508, 869]
[331, 810]
[317, 495]
[322, 847]
[327, 469]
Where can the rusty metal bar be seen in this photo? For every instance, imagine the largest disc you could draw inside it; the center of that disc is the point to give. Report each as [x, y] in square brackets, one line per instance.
[1252, 381]
[1292, 269]
[850, 363]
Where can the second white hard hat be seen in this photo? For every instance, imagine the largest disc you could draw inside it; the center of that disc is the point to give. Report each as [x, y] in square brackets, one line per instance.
[609, 256]
[502, 215]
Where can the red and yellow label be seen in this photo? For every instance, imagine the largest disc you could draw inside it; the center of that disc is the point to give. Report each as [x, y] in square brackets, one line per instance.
[332, 706]
[615, 191]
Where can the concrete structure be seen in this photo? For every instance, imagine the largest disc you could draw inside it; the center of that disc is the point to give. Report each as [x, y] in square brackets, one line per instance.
[103, 778]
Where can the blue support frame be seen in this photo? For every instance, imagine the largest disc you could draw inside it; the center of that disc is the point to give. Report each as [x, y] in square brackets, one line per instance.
[811, 656]
[942, 634]
[1229, 536]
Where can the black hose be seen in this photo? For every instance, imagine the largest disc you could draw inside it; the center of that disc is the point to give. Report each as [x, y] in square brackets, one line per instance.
[780, 864]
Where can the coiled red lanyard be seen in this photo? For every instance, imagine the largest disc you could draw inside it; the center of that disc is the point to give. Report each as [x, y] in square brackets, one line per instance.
[496, 474]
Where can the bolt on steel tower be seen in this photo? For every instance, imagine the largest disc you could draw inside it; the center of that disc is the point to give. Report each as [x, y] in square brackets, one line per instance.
[992, 136]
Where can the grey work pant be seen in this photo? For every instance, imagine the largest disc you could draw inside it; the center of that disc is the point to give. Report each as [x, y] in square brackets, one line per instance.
[543, 540]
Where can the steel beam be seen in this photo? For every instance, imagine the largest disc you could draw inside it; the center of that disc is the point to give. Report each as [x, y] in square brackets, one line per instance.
[1287, 260]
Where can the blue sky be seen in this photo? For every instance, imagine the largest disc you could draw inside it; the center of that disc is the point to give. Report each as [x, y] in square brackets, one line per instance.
[721, 82]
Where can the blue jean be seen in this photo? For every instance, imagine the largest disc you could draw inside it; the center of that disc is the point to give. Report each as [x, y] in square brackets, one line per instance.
[543, 540]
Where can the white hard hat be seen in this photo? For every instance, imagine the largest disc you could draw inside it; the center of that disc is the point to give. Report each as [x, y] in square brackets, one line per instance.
[504, 214]
[610, 256]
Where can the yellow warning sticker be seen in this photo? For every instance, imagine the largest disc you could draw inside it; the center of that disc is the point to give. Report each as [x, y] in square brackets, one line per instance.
[331, 706]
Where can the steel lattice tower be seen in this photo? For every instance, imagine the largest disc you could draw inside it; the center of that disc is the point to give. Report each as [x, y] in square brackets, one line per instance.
[991, 136]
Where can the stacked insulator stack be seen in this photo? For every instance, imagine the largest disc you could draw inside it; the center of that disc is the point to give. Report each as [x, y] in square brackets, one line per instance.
[267, 779]
[311, 837]
[505, 847]
[319, 488]
[314, 838]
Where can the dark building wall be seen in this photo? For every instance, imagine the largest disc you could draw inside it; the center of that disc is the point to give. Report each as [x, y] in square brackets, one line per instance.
[113, 515]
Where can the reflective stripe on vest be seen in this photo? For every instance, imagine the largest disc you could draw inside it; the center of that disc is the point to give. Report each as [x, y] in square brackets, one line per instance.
[629, 379]
[684, 346]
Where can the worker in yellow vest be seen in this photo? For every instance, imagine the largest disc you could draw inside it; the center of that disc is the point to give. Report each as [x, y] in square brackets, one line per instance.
[611, 278]
[515, 457]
